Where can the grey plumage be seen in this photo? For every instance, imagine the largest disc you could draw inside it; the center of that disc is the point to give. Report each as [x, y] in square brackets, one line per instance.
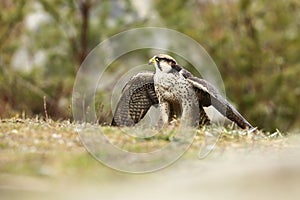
[138, 96]
[176, 91]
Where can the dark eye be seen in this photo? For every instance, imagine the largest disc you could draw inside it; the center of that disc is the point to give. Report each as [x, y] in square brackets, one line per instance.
[157, 59]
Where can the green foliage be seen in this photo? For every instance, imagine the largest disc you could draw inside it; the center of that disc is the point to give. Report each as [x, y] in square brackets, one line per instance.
[256, 47]
[64, 38]
[255, 44]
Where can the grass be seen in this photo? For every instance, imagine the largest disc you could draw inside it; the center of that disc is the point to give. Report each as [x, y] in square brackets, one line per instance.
[37, 154]
[53, 148]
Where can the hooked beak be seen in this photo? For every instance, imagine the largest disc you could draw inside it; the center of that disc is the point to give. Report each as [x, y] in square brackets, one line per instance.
[151, 61]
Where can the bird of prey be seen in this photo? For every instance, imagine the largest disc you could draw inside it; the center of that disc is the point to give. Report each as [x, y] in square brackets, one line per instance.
[176, 92]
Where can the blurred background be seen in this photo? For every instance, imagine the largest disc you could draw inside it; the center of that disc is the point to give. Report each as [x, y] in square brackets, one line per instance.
[255, 44]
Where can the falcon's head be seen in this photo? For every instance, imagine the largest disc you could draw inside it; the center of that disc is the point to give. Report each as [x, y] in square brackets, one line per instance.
[164, 63]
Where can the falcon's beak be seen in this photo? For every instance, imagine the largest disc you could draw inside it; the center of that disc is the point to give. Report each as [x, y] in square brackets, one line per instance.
[151, 61]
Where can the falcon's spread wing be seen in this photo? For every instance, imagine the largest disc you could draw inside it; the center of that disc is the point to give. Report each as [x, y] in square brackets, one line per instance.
[138, 95]
[208, 95]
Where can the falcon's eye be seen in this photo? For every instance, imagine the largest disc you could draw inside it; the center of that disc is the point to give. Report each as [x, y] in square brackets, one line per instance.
[157, 59]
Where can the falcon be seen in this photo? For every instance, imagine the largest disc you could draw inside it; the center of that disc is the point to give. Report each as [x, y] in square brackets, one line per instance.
[176, 92]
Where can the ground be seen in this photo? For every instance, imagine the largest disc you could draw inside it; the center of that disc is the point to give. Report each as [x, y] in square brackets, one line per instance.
[46, 160]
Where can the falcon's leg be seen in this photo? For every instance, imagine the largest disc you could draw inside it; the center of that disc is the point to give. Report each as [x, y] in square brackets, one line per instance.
[190, 112]
[164, 108]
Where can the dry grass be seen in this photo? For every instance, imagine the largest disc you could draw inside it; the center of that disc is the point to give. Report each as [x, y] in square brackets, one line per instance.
[36, 147]
[38, 157]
